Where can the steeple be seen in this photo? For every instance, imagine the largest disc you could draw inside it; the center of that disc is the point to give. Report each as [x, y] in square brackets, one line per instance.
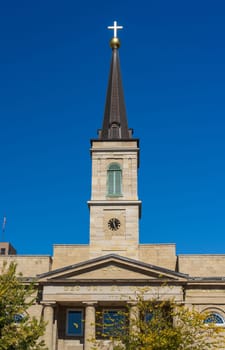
[114, 206]
[115, 126]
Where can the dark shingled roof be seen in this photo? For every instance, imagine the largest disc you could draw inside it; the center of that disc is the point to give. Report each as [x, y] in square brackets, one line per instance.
[115, 120]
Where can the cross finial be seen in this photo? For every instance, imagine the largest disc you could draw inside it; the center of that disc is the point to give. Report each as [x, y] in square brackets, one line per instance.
[115, 27]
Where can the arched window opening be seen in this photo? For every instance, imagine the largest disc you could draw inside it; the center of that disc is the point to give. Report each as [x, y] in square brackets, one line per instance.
[214, 318]
[114, 180]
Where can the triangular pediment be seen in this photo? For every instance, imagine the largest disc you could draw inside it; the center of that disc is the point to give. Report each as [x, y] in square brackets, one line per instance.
[111, 267]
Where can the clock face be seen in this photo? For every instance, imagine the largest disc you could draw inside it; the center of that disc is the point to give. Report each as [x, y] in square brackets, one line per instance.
[114, 224]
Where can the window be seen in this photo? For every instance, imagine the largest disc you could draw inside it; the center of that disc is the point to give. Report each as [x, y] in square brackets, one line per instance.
[114, 322]
[148, 316]
[18, 318]
[114, 180]
[154, 314]
[74, 323]
[2, 251]
[215, 318]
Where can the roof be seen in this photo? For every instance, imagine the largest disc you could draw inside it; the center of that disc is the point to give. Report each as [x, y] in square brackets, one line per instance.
[115, 124]
[74, 270]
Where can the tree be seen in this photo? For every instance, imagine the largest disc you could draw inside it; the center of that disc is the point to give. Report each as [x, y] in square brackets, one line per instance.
[18, 331]
[159, 325]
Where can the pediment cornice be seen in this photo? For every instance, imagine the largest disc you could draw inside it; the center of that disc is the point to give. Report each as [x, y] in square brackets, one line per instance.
[111, 267]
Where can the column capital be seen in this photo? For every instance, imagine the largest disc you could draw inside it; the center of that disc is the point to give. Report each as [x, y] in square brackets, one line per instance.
[51, 303]
[89, 303]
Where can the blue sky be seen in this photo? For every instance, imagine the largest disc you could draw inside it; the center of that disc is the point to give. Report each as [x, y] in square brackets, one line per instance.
[54, 66]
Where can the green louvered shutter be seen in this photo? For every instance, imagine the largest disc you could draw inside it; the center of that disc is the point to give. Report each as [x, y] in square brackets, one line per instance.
[117, 182]
[114, 182]
[110, 182]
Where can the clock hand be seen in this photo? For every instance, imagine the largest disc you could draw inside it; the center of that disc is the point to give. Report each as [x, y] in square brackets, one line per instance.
[114, 223]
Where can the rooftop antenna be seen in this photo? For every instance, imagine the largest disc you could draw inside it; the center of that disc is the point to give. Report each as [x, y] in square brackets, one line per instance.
[3, 227]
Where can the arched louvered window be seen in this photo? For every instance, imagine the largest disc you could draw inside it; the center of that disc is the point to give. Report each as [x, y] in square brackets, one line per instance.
[114, 180]
[215, 318]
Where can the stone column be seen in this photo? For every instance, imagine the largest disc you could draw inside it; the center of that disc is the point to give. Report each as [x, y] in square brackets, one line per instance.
[49, 319]
[134, 318]
[55, 327]
[89, 330]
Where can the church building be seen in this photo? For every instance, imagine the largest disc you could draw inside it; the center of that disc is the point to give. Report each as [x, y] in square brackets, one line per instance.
[79, 281]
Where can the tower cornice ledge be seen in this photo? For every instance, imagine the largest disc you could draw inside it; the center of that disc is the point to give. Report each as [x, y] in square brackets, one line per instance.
[116, 202]
[115, 149]
[115, 142]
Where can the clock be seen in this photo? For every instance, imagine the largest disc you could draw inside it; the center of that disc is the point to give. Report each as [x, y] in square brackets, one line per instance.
[114, 224]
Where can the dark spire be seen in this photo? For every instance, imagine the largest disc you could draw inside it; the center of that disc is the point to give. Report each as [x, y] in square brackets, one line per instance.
[115, 120]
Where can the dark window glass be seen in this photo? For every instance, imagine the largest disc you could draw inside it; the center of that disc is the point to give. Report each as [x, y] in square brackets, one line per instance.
[75, 322]
[114, 322]
[2, 251]
[148, 316]
[18, 318]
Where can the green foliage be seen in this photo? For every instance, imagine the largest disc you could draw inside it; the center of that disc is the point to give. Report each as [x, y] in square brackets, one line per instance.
[18, 331]
[160, 325]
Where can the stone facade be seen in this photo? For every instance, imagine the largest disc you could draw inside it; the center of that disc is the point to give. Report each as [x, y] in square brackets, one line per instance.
[73, 280]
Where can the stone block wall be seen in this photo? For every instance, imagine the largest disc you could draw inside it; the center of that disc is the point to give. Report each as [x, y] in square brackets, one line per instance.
[69, 254]
[28, 265]
[163, 255]
[203, 265]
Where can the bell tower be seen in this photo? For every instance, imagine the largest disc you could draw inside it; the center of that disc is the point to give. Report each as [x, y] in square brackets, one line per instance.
[114, 206]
